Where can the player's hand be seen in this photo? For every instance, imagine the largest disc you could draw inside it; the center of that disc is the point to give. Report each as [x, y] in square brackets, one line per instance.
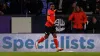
[55, 10]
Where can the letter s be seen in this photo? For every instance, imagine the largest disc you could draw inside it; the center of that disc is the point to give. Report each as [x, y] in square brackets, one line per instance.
[6, 42]
[90, 43]
[74, 44]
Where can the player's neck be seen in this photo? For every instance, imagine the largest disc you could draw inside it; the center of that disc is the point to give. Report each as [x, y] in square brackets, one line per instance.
[52, 9]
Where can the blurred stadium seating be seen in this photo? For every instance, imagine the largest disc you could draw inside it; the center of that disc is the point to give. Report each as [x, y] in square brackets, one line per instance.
[9, 7]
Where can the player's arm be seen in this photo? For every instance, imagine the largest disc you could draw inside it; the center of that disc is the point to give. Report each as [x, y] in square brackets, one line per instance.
[71, 17]
[49, 19]
[55, 10]
[85, 18]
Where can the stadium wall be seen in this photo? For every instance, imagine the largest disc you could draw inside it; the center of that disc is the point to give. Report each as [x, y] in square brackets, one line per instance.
[5, 24]
[70, 42]
[33, 24]
[21, 25]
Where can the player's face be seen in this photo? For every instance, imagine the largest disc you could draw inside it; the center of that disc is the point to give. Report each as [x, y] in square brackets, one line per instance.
[77, 9]
[52, 7]
[94, 20]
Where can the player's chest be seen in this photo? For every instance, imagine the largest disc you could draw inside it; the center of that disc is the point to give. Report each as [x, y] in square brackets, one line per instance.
[78, 15]
[52, 13]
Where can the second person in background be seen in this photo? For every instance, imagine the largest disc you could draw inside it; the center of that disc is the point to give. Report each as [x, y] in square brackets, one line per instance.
[78, 19]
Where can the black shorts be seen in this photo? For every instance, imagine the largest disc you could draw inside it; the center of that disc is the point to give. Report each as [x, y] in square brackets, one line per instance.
[49, 30]
[74, 30]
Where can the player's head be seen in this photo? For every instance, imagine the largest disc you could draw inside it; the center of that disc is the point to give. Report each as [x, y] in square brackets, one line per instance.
[78, 9]
[94, 19]
[52, 6]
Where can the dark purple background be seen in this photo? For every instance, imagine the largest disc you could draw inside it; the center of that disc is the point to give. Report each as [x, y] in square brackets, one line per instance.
[5, 24]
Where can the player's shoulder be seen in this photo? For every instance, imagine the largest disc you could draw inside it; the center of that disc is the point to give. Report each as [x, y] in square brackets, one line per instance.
[49, 9]
[73, 12]
[82, 12]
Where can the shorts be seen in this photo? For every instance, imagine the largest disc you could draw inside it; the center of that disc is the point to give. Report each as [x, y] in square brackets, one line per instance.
[49, 30]
[77, 30]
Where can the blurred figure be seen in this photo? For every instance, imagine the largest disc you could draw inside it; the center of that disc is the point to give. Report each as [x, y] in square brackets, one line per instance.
[33, 6]
[92, 5]
[78, 18]
[66, 4]
[1, 9]
[97, 11]
[1, 13]
[70, 10]
[84, 5]
[97, 3]
[50, 28]
[15, 7]
[6, 9]
[93, 26]
[39, 7]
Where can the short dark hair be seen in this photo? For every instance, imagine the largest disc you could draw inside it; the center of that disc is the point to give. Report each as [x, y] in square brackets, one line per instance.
[51, 4]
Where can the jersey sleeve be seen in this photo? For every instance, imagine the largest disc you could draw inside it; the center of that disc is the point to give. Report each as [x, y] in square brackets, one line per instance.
[48, 17]
[48, 13]
[85, 18]
[71, 17]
